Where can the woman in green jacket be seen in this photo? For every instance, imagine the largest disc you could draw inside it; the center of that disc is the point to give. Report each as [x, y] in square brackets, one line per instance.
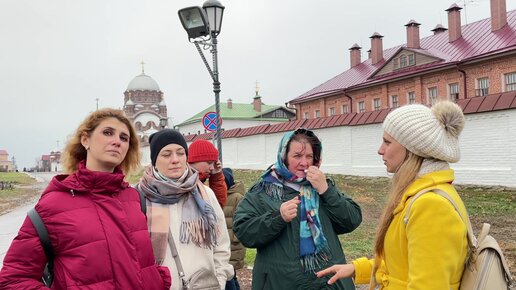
[426, 247]
[292, 216]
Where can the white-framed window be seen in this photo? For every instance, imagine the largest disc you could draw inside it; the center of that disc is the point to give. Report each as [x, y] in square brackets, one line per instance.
[411, 59]
[317, 113]
[403, 60]
[394, 101]
[332, 111]
[361, 106]
[411, 98]
[482, 87]
[377, 105]
[345, 109]
[510, 82]
[432, 95]
[454, 92]
[307, 115]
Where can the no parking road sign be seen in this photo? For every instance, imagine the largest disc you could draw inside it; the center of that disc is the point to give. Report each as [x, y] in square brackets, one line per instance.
[209, 121]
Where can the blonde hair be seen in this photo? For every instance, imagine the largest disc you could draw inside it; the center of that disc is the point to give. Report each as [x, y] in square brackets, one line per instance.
[404, 176]
[74, 152]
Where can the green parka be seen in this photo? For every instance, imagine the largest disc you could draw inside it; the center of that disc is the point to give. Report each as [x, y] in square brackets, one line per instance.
[258, 224]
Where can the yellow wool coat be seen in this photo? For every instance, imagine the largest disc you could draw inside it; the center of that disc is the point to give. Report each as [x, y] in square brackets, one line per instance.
[429, 251]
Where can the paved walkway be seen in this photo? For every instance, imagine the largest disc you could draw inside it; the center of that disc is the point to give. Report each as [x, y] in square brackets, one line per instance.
[11, 222]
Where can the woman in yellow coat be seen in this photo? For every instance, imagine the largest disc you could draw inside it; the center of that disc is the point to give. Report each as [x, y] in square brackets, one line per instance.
[427, 247]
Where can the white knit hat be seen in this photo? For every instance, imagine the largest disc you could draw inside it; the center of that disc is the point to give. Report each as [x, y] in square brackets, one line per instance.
[429, 133]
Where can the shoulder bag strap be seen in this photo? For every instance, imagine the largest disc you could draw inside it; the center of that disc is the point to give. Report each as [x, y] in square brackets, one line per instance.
[471, 238]
[44, 239]
[179, 266]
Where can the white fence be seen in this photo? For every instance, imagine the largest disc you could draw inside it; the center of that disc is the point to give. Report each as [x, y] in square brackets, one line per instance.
[488, 146]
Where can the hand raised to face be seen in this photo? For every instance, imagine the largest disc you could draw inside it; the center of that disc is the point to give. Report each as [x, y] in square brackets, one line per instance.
[317, 178]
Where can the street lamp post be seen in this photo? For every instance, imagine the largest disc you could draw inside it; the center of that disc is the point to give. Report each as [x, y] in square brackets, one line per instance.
[203, 26]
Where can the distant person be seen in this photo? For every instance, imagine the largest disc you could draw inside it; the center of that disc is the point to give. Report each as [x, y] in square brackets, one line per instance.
[427, 248]
[97, 229]
[204, 157]
[236, 192]
[293, 216]
[184, 214]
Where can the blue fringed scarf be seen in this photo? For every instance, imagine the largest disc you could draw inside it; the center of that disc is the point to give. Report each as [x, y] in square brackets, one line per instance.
[313, 246]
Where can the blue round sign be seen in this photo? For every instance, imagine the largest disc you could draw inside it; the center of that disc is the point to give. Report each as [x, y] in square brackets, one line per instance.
[209, 121]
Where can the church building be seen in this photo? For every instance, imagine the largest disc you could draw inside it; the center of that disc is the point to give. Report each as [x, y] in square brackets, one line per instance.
[144, 105]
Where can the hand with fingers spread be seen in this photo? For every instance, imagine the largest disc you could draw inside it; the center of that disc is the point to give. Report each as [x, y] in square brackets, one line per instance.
[317, 179]
[288, 209]
[340, 271]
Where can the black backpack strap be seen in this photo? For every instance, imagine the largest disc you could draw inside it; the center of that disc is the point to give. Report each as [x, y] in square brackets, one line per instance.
[45, 243]
[143, 202]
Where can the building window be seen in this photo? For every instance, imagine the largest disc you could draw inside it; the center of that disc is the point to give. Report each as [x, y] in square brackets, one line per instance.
[454, 91]
[307, 115]
[510, 82]
[377, 104]
[345, 109]
[482, 87]
[279, 114]
[317, 113]
[411, 59]
[394, 101]
[411, 98]
[403, 60]
[331, 111]
[432, 95]
[361, 107]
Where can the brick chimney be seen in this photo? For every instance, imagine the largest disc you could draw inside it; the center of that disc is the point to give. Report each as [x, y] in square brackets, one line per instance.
[376, 48]
[454, 26]
[498, 14]
[438, 29]
[230, 104]
[354, 53]
[257, 103]
[413, 34]
[369, 53]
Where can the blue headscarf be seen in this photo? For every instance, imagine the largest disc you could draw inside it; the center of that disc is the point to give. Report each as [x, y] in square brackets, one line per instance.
[313, 246]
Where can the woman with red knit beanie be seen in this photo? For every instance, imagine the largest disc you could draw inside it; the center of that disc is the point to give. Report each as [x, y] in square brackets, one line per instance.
[204, 157]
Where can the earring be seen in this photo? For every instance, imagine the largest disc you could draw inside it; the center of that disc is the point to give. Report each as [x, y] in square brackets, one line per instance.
[87, 148]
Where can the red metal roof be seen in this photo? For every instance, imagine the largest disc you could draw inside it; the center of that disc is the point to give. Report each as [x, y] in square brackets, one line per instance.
[230, 133]
[204, 136]
[253, 130]
[477, 41]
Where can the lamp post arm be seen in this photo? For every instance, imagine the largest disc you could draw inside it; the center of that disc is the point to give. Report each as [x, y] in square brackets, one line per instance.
[205, 61]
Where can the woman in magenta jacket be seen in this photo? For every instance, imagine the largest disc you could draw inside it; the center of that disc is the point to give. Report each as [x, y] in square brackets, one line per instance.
[96, 227]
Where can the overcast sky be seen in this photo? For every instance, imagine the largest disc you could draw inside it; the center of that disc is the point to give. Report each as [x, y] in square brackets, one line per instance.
[58, 56]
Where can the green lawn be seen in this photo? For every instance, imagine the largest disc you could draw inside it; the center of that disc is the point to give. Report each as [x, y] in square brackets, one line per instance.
[10, 198]
[17, 178]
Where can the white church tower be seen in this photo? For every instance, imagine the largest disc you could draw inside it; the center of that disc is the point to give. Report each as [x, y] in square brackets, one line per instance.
[144, 105]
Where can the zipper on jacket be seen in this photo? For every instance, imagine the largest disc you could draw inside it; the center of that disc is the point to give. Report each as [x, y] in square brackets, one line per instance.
[71, 191]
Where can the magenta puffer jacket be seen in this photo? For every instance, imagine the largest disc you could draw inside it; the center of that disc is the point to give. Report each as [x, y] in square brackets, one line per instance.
[98, 233]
